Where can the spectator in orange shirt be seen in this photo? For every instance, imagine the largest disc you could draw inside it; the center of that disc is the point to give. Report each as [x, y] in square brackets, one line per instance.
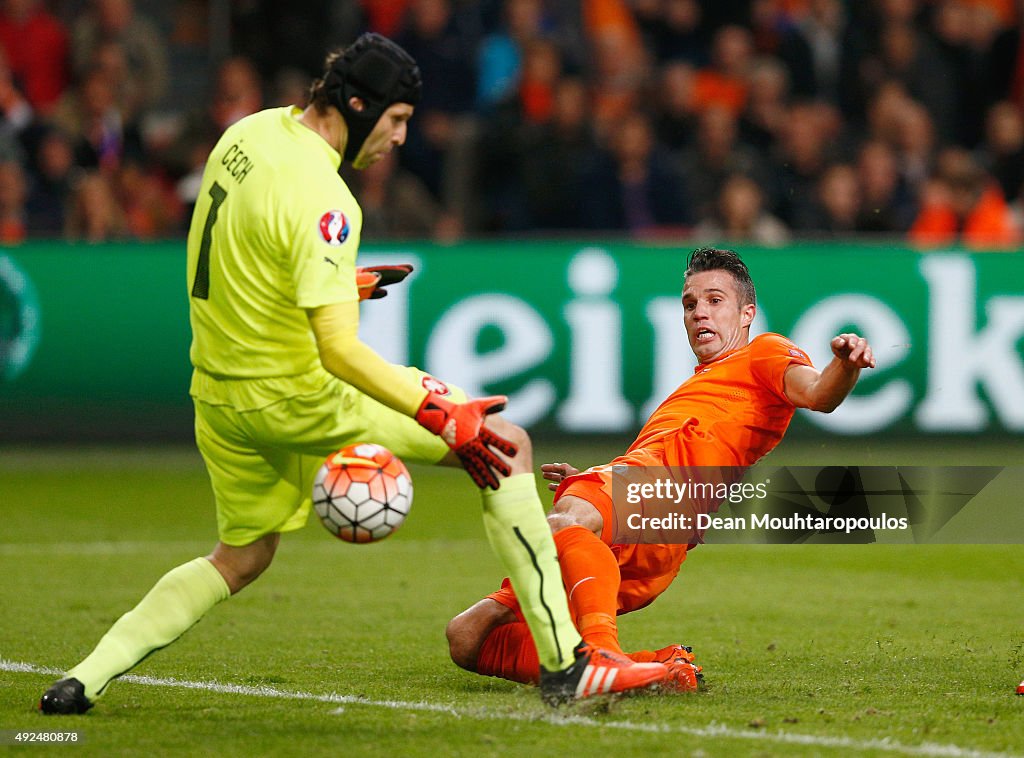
[963, 204]
[731, 412]
[618, 63]
[724, 83]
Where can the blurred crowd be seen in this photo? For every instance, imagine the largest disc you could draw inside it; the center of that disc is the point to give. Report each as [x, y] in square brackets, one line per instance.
[719, 120]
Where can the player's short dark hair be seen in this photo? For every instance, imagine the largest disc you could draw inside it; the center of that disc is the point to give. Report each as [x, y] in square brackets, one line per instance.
[714, 259]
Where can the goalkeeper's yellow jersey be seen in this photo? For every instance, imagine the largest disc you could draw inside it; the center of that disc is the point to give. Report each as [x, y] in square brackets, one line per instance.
[275, 230]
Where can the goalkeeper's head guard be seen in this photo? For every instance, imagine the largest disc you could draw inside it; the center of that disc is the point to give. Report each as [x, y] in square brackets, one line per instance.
[380, 73]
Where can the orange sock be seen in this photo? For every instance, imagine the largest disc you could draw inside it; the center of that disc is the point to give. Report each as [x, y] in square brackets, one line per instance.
[591, 577]
[509, 653]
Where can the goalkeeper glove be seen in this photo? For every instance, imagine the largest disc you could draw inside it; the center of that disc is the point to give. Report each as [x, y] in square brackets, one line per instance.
[461, 425]
[371, 280]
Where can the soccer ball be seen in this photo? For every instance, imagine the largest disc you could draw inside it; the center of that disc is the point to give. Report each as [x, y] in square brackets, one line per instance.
[362, 493]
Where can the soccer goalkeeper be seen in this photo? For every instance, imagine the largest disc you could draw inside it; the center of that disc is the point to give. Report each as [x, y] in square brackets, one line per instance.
[734, 410]
[281, 378]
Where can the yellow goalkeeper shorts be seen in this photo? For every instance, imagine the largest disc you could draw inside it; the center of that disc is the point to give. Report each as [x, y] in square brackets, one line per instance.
[262, 461]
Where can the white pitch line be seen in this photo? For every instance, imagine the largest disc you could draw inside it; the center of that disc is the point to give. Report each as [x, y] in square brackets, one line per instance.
[101, 547]
[711, 730]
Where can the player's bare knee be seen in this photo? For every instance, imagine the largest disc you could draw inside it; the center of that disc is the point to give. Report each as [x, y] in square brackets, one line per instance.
[462, 645]
[575, 511]
[467, 632]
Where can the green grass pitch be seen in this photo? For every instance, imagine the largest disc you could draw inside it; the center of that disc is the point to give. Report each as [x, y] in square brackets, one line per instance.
[339, 649]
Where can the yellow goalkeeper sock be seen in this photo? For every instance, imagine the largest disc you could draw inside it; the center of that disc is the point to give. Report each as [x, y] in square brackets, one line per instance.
[519, 534]
[181, 597]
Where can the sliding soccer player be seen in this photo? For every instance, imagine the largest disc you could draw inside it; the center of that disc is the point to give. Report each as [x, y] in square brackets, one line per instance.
[730, 413]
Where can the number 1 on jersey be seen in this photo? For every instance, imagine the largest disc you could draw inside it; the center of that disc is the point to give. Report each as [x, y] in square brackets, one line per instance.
[201, 283]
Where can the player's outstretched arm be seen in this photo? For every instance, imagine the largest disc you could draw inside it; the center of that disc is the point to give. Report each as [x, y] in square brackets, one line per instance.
[460, 425]
[807, 388]
[554, 473]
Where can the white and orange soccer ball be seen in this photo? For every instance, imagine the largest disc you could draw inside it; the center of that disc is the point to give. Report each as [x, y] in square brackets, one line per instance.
[362, 493]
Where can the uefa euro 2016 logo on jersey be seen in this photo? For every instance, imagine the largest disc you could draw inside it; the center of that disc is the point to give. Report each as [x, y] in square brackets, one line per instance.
[334, 227]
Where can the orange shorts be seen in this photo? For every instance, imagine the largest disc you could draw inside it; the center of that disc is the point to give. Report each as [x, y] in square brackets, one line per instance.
[646, 570]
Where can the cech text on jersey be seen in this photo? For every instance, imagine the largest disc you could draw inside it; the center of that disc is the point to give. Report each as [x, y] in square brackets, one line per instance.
[237, 163]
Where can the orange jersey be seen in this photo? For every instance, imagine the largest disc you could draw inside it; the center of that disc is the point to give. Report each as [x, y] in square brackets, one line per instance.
[731, 412]
[712, 89]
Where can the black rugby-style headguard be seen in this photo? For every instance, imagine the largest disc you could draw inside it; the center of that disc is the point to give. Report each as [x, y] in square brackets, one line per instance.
[376, 70]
